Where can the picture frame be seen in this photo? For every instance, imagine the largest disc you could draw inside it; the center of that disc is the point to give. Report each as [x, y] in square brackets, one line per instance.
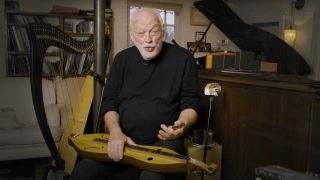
[199, 35]
[203, 47]
[191, 46]
[197, 18]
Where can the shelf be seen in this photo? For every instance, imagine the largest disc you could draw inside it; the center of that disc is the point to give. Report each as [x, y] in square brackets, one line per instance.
[25, 53]
[56, 63]
[73, 16]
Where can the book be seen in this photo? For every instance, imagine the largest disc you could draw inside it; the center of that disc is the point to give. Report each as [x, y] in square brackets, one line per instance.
[85, 27]
[17, 38]
[64, 9]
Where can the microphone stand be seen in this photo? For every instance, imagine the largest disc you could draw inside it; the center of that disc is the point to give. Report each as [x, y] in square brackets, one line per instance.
[206, 134]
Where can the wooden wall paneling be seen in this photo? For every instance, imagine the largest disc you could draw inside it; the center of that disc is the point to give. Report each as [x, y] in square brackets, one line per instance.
[314, 149]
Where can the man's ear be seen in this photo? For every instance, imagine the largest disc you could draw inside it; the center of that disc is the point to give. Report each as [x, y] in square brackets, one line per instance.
[163, 33]
[131, 36]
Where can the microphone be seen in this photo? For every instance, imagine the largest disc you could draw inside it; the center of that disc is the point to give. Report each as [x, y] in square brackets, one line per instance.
[212, 89]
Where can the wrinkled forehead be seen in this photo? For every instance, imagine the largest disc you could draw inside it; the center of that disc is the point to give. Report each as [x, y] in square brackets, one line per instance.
[146, 27]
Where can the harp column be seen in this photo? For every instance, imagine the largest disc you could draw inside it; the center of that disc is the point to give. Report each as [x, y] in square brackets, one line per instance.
[99, 54]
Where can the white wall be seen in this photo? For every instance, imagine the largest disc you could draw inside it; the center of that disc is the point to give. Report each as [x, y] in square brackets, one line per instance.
[120, 16]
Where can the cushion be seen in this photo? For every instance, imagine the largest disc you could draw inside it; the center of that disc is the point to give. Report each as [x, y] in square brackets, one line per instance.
[8, 118]
[27, 135]
[49, 92]
[53, 115]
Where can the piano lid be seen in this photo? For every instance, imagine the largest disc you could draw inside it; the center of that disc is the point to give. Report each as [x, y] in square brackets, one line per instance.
[250, 38]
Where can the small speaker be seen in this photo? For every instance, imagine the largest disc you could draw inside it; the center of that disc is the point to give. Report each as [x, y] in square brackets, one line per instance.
[245, 60]
[220, 61]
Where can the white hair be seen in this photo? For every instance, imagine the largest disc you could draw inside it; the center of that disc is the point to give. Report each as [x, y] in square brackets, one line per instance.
[153, 11]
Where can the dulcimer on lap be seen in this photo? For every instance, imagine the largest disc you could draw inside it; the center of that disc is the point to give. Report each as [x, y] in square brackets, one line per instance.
[151, 158]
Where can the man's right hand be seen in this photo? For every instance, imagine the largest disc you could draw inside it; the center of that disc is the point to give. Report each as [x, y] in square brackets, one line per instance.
[116, 145]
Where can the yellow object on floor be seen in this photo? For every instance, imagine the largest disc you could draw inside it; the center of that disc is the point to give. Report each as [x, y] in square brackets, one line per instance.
[213, 156]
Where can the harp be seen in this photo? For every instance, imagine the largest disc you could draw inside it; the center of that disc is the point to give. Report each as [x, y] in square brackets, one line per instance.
[42, 37]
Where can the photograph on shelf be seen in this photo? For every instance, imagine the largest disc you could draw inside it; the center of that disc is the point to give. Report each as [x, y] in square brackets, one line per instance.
[203, 47]
[199, 35]
[191, 46]
[68, 26]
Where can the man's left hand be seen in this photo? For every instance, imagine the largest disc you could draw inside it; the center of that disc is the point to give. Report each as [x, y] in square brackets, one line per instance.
[171, 132]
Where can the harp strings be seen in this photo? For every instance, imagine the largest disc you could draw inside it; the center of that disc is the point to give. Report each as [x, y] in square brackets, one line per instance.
[66, 76]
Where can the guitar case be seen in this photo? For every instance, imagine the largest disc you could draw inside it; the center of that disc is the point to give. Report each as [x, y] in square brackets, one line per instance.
[43, 36]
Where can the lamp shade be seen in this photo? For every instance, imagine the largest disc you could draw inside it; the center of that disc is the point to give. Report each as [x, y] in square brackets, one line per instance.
[290, 36]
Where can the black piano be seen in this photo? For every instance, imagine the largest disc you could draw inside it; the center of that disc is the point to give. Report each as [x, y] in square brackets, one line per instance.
[251, 38]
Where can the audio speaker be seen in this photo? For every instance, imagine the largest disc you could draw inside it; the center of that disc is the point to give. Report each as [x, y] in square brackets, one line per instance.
[245, 60]
[219, 61]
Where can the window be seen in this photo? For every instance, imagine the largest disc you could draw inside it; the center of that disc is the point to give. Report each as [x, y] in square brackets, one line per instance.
[168, 17]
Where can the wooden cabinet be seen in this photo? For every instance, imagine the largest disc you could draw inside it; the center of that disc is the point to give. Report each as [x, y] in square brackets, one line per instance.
[264, 120]
[56, 61]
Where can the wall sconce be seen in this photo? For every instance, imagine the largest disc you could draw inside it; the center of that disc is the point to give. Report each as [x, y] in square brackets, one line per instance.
[290, 34]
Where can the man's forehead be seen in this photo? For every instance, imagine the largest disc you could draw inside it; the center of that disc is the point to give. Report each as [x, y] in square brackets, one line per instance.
[148, 27]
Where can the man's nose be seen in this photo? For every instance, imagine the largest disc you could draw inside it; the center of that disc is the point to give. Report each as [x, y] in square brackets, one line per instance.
[147, 37]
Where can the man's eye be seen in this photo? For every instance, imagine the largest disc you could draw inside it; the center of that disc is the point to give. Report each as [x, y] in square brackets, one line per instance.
[155, 32]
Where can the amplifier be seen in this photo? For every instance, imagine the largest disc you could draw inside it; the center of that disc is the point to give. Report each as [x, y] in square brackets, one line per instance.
[275, 172]
[220, 60]
[245, 60]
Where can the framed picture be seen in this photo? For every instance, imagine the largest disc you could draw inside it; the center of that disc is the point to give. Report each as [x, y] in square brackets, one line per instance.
[199, 36]
[197, 18]
[203, 47]
[191, 46]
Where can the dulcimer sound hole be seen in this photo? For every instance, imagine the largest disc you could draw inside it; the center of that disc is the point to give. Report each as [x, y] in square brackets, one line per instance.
[150, 158]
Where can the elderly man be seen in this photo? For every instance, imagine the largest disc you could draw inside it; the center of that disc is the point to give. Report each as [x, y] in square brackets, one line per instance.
[151, 97]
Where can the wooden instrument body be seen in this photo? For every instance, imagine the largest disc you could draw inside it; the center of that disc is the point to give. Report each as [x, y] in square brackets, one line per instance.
[86, 146]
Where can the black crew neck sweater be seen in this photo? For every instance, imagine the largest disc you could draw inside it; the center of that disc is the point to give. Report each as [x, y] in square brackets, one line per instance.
[148, 94]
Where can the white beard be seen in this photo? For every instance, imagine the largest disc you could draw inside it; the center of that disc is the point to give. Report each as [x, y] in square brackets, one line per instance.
[147, 55]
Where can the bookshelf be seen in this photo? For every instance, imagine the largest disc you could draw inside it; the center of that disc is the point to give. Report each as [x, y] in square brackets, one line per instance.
[56, 62]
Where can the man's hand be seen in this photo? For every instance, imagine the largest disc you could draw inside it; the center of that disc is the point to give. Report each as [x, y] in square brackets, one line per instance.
[171, 132]
[116, 145]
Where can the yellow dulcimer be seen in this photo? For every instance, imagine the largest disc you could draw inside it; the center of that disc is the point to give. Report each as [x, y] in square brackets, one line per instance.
[151, 158]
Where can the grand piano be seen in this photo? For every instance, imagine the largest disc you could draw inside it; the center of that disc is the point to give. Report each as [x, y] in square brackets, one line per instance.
[250, 38]
[261, 119]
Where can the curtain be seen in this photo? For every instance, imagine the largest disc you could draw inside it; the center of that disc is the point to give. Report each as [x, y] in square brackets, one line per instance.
[315, 44]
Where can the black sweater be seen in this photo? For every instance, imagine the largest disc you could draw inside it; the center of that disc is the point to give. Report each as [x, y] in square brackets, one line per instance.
[147, 94]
